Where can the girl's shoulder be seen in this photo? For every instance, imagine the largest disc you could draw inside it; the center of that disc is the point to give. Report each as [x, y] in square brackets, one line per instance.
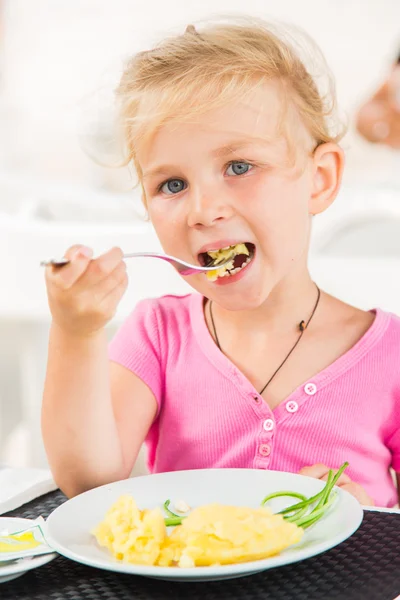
[384, 349]
[170, 312]
[370, 329]
[365, 337]
[155, 328]
[389, 325]
[170, 305]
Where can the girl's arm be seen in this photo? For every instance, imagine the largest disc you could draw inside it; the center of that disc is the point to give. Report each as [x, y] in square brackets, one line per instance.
[398, 487]
[94, 417]
[95, 414]
[134, 408]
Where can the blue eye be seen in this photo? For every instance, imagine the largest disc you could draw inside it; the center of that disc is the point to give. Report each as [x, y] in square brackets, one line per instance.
[239, 168]
[173, 186]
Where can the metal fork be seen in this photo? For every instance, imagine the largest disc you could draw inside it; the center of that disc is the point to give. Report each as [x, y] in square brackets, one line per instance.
[183, 268]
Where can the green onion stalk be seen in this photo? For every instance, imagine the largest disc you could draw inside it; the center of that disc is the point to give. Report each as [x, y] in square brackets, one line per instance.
[304, 513]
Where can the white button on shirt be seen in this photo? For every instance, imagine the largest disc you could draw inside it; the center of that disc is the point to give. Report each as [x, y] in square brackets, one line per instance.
[310, 389]
[292, 406]
[268, 424]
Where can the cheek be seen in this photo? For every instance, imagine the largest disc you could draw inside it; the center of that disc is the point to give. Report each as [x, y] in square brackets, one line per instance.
[281, 217]
[280, 203]
[166, 222]
[166, 209]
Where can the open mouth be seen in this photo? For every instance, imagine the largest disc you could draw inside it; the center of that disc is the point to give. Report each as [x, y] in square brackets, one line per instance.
[239, 256]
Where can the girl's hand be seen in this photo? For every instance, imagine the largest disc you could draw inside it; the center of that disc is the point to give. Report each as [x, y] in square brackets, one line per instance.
[84, 294]
[320, 471]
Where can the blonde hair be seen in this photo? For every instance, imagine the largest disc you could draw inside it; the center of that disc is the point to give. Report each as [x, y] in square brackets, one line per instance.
[202, 69]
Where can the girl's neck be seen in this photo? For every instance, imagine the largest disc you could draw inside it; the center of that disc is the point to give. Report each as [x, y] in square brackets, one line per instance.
[289, 303]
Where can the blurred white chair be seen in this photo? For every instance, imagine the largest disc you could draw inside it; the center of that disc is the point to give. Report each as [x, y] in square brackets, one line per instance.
[365, 223]
[355, 249]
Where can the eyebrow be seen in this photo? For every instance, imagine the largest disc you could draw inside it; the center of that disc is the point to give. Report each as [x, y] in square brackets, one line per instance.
[224, 150]
[235, 146]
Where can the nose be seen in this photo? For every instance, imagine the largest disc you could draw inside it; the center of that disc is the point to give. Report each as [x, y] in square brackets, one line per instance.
[207, 208]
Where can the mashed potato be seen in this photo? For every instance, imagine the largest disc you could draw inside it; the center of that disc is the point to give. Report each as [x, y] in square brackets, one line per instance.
[213, 534]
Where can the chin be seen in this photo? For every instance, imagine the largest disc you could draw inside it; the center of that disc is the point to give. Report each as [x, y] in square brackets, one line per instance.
[240, 302]
[235, 297]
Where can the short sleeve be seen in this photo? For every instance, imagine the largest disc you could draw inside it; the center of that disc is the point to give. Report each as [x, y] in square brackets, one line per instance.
[394, 441]
[136, 346]
[395, 449]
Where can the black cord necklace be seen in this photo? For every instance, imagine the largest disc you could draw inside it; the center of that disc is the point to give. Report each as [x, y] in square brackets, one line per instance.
[302, 327]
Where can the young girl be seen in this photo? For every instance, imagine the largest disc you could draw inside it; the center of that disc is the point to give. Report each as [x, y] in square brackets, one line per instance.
[259, 369]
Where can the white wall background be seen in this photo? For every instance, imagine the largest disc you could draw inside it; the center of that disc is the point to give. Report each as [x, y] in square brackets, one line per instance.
[56, 51]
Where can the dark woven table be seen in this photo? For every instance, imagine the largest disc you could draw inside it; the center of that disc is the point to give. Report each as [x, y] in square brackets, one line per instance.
[365, 567]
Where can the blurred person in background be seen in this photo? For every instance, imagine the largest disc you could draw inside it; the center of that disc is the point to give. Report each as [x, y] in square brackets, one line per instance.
[378, 119]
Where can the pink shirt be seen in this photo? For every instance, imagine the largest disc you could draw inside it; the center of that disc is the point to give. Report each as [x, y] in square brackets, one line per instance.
[210, 415]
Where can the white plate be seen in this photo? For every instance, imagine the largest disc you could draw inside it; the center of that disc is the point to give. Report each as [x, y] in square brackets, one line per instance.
[69, 526]
[13, 569]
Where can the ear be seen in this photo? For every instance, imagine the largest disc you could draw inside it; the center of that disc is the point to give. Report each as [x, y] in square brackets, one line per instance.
[328, 164]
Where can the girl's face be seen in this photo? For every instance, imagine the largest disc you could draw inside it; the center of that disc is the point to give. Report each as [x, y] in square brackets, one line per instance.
[211, 184]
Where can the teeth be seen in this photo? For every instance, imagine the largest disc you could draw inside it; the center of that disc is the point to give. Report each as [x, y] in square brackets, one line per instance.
[218, 249]
[214, 275]
[222, 255]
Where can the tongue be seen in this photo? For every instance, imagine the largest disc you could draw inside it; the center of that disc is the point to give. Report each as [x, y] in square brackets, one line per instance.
[239, 260]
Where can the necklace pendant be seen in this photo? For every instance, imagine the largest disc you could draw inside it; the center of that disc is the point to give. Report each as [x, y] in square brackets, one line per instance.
[302, 325]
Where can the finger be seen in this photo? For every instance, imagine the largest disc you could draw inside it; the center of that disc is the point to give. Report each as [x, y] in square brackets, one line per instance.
[343, 479]
[113, 298]
[115, 278]
[356, 490]
[317, 471]
[101, 267]
[76, 249]
[65, 276]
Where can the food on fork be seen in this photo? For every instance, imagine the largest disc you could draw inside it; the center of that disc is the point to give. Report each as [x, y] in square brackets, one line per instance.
[240, 255]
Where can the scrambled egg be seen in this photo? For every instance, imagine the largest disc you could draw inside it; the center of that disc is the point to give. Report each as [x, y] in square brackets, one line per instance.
[130, 534]
[217, 534]
[220, 256]
[213, 534]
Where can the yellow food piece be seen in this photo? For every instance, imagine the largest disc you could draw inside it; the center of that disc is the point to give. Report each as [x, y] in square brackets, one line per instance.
[223, 254]
[215, 534]
[132, 535]
[220, 256]
[18, 542]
